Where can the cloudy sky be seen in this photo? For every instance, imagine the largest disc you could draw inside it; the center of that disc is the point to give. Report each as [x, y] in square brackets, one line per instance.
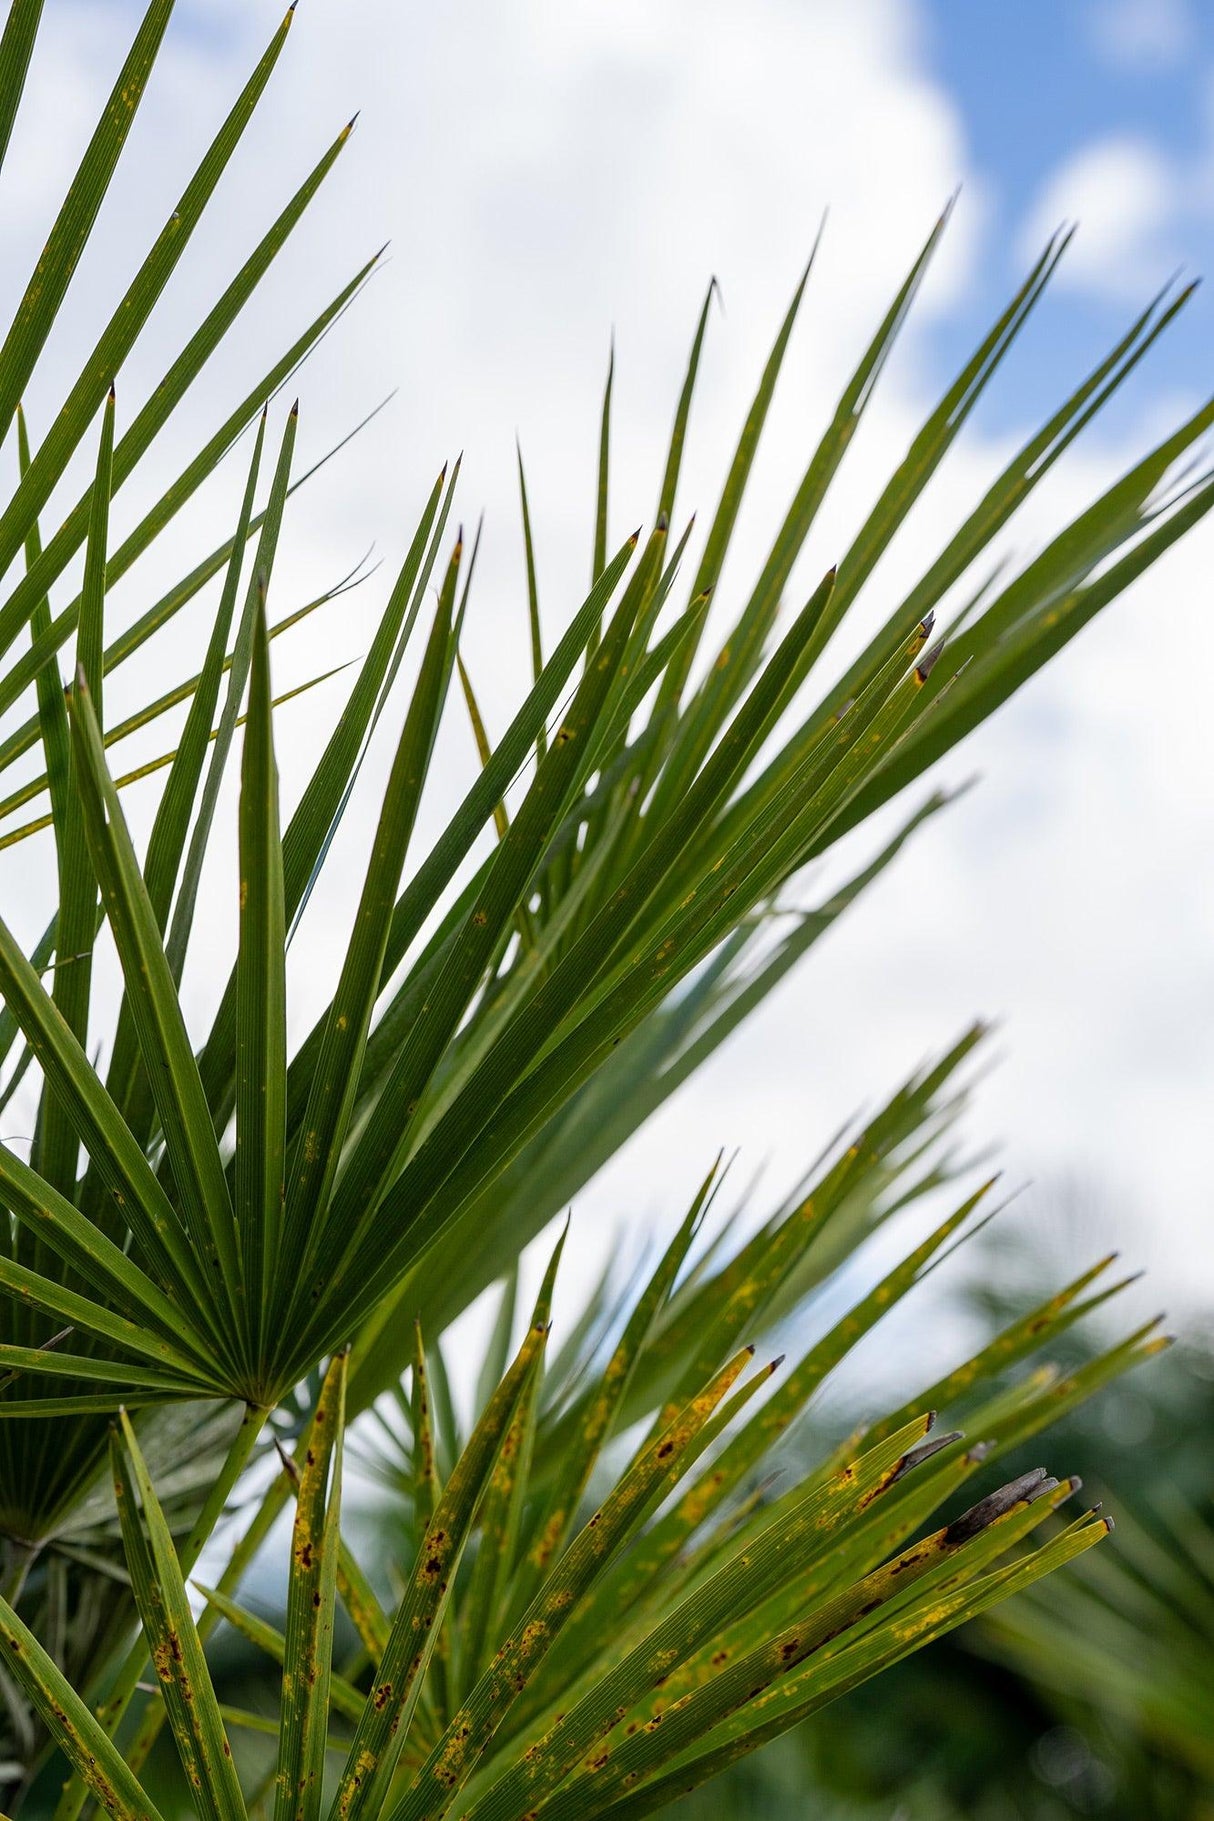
[550, 174]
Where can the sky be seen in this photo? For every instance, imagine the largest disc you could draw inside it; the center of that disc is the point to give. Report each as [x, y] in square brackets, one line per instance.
[550, 176]
[1101, 112]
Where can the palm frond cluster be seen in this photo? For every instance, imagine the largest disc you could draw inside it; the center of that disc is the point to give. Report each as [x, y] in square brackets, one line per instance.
[208, 1226]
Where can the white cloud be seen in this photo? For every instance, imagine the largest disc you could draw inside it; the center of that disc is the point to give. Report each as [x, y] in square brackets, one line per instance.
[1124, 196]
[546, 171]
[1131, 33]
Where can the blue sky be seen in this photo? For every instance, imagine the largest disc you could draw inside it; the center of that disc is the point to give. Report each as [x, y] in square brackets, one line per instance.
[1040, 83]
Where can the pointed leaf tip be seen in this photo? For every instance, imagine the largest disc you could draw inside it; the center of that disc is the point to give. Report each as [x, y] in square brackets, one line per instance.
[927, 663]
[995, 1505]
[915, 1457]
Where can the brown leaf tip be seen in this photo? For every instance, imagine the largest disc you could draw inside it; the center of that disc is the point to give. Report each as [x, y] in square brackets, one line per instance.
[914, 1457]
[994, 1506]
[927, 663]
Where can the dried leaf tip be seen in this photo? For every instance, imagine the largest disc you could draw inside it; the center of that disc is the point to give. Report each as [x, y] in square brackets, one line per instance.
[294, 411]
[927, 663]
[994, 1506]
[914, 1457]
[290, 1465]
[1109, 1525]
[663, 523]
[777, 1363]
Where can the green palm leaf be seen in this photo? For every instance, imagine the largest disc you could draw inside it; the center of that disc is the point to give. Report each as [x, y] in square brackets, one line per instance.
[502, 1017]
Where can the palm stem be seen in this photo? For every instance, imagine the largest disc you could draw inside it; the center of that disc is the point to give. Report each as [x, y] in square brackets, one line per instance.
[272, 1503]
